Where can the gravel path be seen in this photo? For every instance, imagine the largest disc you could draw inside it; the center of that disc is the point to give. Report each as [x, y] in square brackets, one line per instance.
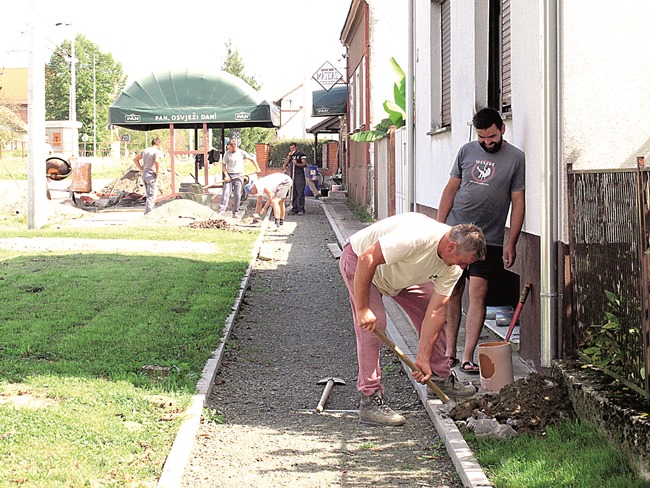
[294, 328]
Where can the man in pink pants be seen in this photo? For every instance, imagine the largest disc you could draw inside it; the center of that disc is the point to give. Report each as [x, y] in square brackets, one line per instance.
[416, 261]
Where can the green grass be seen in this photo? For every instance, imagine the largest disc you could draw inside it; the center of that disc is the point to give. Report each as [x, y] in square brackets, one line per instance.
[572, 454]
[76, 408]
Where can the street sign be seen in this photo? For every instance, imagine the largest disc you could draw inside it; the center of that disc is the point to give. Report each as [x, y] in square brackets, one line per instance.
[327, 76]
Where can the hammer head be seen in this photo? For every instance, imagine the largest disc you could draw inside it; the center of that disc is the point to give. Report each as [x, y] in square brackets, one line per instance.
[333, 379]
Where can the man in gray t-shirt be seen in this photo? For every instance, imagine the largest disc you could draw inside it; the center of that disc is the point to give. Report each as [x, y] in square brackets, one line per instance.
[487, 177]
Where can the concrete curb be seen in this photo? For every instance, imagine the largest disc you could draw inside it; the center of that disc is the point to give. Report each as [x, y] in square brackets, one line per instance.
[179, 455]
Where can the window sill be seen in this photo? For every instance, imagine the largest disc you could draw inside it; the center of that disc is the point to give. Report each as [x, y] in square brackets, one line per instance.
[438, 130]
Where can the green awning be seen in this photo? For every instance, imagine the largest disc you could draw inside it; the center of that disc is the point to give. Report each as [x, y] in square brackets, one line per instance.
[188, 99]
[332, 102]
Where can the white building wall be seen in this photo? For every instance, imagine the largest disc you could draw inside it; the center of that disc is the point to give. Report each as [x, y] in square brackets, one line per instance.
[605, 89]
[388, 34]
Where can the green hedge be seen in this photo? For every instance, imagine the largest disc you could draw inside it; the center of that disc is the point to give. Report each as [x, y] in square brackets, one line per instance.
[280, 149]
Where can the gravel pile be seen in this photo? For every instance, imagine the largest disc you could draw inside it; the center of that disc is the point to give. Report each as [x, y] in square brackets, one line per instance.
[131, 182]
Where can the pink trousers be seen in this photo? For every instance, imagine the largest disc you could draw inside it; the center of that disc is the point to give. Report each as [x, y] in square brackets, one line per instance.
[413, 300]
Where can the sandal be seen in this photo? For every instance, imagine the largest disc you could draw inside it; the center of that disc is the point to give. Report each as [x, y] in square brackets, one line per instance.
[469, 367]
[453, 361]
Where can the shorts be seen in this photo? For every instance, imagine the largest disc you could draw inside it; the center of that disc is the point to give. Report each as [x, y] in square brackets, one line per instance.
[490, 266]
[283, 189]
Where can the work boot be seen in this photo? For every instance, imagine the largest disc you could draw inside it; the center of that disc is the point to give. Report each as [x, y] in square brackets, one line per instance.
[451, 386]
[373, 410]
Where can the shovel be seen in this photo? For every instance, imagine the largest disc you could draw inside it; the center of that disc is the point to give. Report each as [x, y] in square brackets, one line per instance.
[441, 394]
[515, 317]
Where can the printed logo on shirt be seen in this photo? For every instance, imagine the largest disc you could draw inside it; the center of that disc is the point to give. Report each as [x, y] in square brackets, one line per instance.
[483, 172]
[433, 277]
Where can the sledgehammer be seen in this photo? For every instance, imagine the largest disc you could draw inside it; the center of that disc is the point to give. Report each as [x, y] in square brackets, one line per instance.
[441, 394]
[329, 383]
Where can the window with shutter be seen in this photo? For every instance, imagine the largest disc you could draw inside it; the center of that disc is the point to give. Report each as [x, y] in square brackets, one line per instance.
[440, 64]
[499, 63]
[445, 61]
[505, 56]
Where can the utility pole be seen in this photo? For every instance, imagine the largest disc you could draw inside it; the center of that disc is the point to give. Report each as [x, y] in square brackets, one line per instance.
[73, 99]
[72, 106]
[36, 182]
[94, 107]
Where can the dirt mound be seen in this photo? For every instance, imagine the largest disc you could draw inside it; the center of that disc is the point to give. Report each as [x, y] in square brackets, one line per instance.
[179, 211]
[211, 224]
[528, 405]
[131, 182]
[57, 211]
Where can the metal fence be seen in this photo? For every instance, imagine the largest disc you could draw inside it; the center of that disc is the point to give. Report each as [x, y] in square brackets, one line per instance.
[608, 212]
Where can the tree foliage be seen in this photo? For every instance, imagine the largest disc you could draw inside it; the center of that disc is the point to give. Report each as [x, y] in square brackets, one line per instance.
[96, 73]
[234, 65]
[10, 122]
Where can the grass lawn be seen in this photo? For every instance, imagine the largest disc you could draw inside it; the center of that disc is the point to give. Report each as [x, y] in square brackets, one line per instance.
[572, 454]
[76, 407]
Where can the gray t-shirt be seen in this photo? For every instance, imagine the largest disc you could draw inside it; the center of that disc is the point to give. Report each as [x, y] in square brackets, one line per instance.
[149, 159]
[234, 161]
[487, 180]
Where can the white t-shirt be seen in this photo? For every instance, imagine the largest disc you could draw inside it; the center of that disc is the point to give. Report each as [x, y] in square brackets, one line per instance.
[271, 182]
[234, 161]
[409, 243]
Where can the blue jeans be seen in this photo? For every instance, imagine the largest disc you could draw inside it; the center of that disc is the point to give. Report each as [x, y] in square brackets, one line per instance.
[151, 189]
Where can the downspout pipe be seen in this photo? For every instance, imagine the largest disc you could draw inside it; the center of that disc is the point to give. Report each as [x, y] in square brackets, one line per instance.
[410, 109]
[549, 190]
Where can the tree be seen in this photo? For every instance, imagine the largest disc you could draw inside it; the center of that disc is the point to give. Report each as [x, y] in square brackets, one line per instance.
[99, 80]
[234, 65]
[10, 123]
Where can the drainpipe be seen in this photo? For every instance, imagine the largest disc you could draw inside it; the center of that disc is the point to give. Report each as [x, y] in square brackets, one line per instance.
[410, 119]
[549, 188]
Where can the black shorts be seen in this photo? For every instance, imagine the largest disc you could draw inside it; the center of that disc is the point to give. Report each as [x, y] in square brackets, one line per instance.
[490, 266]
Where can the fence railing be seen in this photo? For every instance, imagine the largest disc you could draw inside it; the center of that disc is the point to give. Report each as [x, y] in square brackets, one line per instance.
[609, 244]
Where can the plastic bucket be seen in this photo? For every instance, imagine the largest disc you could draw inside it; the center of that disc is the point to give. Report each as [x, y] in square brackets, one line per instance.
[495, 365]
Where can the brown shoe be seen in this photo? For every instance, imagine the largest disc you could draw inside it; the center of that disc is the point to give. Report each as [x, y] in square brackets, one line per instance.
[373, 410]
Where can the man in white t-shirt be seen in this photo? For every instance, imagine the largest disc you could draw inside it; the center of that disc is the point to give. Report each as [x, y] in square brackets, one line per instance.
[233, 172]
[275, 187]
[416, 261]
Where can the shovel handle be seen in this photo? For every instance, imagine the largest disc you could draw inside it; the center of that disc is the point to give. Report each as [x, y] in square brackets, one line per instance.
[515, 317]
[323, 398]
[441, 394]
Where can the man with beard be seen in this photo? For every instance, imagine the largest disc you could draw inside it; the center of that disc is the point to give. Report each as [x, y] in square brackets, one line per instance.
[487, 176]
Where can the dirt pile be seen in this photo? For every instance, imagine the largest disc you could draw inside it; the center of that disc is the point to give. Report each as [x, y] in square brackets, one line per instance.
[57, 211]
[528, 405]
[131, 182]
[181, 212]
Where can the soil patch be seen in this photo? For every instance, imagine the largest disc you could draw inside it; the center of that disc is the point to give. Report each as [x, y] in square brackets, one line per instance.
[529, 405]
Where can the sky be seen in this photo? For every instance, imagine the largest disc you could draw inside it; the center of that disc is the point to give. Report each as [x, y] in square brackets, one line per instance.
[282, 43]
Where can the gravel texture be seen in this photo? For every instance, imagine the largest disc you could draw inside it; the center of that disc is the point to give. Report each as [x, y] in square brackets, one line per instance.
[294, 329]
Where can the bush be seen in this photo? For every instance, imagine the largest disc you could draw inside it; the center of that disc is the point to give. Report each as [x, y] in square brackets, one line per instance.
[280, 149]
